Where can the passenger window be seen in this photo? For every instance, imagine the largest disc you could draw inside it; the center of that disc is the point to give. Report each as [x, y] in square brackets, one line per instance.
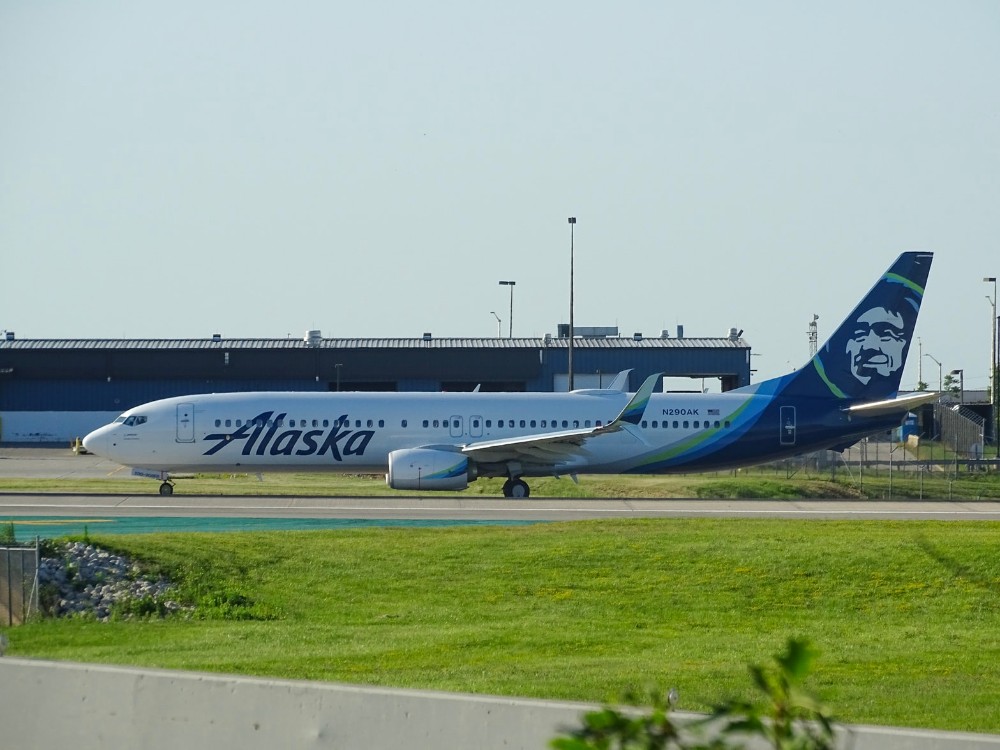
[403, 423]
[643, 424]
[489, 423]
[726, 423]
[532, 423]
[510, 423]
[229, 423]
[675, 424]
[381, 423]
[716, 424]
[685, 424]
[371, 423]
[543, 423]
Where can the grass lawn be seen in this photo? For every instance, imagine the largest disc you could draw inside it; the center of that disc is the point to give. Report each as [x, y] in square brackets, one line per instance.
[772, 481]
[906, 615]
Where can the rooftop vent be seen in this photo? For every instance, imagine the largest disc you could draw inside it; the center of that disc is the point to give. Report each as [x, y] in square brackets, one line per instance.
[427, 336]
[10, 335]
[313, 337]
[216, 337]
[637, 336]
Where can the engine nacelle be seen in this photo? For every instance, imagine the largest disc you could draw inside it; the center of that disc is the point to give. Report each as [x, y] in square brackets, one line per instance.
[427, 469]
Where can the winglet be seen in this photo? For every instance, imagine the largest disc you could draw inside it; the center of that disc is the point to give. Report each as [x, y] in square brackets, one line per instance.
[620, 383]
[633, 411]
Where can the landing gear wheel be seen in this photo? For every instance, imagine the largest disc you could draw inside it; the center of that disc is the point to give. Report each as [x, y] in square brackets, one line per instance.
[516, 488]
[166, 489]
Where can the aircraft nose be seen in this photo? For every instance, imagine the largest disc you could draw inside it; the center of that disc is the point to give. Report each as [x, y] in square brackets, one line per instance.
[96, 442]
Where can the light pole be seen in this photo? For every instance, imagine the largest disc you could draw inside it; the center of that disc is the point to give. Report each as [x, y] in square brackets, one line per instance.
[994, 385]
[510, 321]
[940, 379]
[961, 385]
[498, 322]
[572, 226]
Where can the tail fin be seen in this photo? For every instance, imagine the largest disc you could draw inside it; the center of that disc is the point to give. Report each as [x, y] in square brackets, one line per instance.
[864, 357]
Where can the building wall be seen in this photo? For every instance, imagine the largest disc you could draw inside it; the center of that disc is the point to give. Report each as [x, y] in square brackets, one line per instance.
[52, 391]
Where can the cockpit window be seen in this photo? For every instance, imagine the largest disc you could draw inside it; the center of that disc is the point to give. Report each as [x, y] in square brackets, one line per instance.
[120, 420]
[133, 420]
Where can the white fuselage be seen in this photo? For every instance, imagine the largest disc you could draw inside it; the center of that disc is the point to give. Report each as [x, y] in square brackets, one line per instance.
[356, 432]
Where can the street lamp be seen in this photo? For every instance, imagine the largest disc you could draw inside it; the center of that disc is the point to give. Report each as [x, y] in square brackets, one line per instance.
[498, 322]
[572, 226]
[961, 385]
[510, 330]
[994, 365]
[940, 379]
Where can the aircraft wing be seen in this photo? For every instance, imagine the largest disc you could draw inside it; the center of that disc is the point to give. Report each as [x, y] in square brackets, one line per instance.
[551, 447]
[898, 404]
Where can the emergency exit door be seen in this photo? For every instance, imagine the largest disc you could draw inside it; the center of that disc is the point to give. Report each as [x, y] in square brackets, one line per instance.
[787, 425]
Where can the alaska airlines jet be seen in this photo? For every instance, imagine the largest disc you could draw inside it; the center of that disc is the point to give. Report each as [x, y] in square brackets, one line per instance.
[443, 441]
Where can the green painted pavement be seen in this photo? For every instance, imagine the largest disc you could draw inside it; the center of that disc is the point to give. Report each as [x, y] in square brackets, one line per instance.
[48, 527]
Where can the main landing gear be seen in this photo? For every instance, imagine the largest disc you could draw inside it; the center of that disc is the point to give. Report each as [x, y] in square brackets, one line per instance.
[166, 488]
[516, 488]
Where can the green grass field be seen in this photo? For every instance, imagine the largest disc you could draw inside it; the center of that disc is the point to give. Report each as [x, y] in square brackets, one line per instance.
[906, 615]
[759, 482]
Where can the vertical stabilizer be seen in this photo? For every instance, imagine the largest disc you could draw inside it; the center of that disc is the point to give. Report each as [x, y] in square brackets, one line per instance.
[864, 357]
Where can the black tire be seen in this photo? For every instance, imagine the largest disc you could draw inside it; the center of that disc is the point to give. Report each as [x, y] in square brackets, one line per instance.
[166, 489]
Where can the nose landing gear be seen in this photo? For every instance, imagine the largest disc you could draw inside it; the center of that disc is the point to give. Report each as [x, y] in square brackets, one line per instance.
[167, 488]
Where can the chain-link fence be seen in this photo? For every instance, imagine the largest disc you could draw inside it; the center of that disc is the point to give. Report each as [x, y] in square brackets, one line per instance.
[961, 430]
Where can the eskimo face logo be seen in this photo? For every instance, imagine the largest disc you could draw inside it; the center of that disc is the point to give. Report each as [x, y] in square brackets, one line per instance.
[262, 432]
[877, 344]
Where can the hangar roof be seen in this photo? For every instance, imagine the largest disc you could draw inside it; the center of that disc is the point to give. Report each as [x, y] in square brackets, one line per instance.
[579, 342]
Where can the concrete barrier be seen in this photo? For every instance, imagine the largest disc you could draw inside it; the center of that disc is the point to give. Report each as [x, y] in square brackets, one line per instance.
[56, 704]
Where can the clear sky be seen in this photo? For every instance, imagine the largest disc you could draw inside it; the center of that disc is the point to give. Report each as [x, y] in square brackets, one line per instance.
[257, 169]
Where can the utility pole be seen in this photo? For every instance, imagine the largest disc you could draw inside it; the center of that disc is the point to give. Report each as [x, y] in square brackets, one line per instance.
[572, 226]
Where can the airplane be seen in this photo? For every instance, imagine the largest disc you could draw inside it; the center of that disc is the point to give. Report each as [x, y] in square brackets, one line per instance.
[444, 441]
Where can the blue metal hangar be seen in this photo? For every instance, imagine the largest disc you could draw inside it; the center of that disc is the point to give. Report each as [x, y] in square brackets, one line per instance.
[54, 390]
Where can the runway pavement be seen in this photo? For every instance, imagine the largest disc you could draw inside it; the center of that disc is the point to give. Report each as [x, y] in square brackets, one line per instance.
[61, 462]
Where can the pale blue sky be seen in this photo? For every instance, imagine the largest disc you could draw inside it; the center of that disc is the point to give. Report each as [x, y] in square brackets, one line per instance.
[373, 169]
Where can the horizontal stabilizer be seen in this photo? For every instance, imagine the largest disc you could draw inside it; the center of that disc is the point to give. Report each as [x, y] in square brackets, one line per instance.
[899, 404]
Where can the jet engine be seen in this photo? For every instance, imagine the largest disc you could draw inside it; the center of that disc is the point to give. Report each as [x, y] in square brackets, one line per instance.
[428, 469]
